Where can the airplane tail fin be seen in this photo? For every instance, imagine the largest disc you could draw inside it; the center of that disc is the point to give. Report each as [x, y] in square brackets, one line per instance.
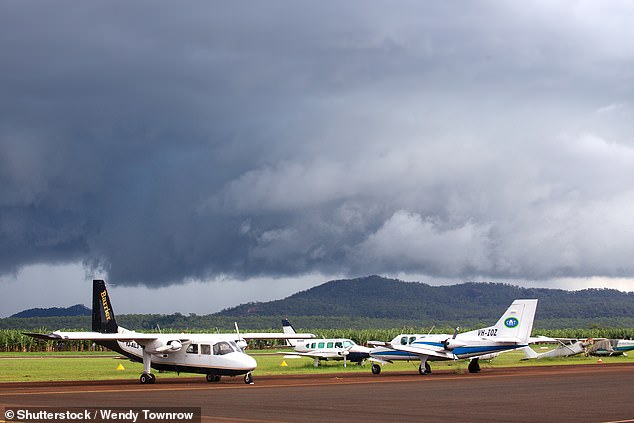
[103, 320]
[517, 321]
[288, 329]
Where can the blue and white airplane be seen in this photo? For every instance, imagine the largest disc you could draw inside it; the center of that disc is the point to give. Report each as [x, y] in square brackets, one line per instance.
[512, 331]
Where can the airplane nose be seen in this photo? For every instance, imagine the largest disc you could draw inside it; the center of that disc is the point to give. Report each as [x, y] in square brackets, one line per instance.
[245, 362]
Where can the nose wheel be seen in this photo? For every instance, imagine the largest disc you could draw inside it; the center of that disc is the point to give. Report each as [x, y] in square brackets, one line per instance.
[147, 378]
[248, 378]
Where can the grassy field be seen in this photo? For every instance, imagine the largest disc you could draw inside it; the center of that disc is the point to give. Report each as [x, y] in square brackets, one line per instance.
[21, 367]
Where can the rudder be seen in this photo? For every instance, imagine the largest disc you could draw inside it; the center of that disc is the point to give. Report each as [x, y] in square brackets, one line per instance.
[103, 320]
[517, 321]
[288, 329]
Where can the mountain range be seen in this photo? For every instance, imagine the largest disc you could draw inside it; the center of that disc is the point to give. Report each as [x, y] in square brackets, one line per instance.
[383, 298]
[376, 302]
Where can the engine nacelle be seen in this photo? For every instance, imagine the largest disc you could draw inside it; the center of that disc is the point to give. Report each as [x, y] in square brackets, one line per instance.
[169, 347]
[451, 343]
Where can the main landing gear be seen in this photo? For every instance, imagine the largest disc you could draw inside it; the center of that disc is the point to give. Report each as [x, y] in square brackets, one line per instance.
[376, 369]
[212, 378]
[147, 378]
[424, 368]
[474, 366]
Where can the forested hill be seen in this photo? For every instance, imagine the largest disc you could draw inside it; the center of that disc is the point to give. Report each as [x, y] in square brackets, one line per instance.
[76, 310]
[378, 297]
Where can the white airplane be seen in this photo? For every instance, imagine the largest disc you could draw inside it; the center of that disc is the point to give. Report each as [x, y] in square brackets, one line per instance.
[566, 348]
[213, 355]
[512, 331]
[325, 349]
[590, 346]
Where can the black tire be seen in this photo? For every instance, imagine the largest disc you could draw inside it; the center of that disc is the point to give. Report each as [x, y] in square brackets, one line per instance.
[152, 378]
[212, 378]
[424, 369]
[376, 369]
[248, 379]
[474, 366]
[145, 378]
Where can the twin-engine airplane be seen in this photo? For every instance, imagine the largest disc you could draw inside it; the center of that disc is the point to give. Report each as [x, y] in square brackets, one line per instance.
[510, 332]
[325, 349]
[213, 355]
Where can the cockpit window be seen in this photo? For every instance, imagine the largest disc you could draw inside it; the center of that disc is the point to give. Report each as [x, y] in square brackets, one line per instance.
[222, 348]
[412, 339]
[346, 344]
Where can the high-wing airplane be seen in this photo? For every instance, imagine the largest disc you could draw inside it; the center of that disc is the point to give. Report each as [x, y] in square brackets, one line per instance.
[213, 355]
[566, 347]
[326, 349]
[510, 332]
[590, 346]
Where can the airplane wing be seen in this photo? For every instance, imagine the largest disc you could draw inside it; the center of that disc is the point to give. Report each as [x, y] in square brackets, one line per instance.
[318, 354]
[430, 352]
[93, 336]
[276, 335]
[147, 340]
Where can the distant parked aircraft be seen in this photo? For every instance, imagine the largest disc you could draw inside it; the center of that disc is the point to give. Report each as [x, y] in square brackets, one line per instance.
[589, 346]
[325, 349]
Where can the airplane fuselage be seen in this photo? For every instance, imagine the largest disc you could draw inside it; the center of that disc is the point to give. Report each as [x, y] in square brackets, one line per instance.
[205, 354]
[333, 349]
[460, 347]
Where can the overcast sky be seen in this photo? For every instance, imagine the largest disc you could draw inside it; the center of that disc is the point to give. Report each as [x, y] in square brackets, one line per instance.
[200, 155]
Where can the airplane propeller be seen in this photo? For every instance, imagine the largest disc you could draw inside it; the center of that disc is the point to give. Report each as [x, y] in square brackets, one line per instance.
[447, 342]
[241, 342]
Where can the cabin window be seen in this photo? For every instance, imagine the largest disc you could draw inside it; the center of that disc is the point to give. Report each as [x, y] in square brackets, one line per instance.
[329, 345]
[205, 349]
[313, 345]
[192, 349]
[320, 345]
[404, 340]
[338, 344]
[412, 339]
[222, 348]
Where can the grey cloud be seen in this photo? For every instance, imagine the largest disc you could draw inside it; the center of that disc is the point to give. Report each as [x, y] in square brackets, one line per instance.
[163, 143]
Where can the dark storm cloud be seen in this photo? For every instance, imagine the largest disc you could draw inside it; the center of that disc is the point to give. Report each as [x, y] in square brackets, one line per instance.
[161, 142]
